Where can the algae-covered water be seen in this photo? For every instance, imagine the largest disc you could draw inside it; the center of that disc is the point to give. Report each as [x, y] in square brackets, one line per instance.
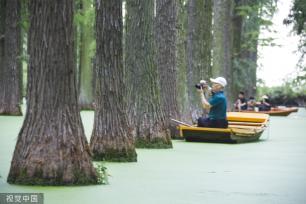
[272, 170]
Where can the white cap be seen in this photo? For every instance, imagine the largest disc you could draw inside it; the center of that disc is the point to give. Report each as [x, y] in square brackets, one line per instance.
[219, 80]
[265, 97]
[202, 82]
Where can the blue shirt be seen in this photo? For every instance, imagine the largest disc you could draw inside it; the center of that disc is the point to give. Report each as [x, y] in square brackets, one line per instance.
[218, 103]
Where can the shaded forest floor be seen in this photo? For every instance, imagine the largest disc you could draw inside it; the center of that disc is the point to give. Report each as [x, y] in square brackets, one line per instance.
[269, 171]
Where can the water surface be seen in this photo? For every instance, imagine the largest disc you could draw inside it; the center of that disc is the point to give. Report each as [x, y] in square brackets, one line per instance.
[272, 170]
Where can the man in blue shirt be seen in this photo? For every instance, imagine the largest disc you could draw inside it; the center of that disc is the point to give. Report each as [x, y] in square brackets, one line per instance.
[216, 105]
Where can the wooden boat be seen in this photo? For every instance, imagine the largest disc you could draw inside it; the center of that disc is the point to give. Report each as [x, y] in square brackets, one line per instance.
[276, 111]
[243, 127]
[294, 109]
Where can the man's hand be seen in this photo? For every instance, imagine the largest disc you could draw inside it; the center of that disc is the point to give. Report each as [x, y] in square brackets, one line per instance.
[204, 101]
[205, 86]
[200, 90]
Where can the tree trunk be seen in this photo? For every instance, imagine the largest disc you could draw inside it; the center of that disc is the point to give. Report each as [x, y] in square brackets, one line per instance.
[222, 44]
[2, 34]
[52, 148]
[86, 54]
[166, 13]
[10, 64]
[111, 138]
[198, 50]
[246, 33]
[252, 26]
[149, 121]
[181, 60]
[24, 52]
[238, 65]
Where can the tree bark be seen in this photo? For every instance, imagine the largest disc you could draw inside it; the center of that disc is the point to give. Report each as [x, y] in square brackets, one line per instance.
[111, 138]
[222, 44]
[198, 50]
[148, 118]
[252, 26]
[86, 94]
[2, 34]
[181, 60]
[24, 24]
[237, 63]
[246, 33]
[166, 13]
[52, 148]
[10, 64]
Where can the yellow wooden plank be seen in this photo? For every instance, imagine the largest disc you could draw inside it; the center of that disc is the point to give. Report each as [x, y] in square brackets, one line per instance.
[182, 127]
[247, 117]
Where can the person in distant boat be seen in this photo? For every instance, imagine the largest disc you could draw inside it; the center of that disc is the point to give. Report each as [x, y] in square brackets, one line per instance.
[241, 103]
[216, 105]
[264, 104]
[251, 103]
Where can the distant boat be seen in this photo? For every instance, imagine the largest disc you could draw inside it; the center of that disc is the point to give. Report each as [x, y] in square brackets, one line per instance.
[276, 111]
[243, 127]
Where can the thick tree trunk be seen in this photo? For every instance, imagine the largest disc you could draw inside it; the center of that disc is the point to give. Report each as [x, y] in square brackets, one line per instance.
[10, 64]
[2, 34]
[198, 50]
[111, 138]
[222, 44]
[51, 148]
[252, 26]
[149, 120]
[181, 60]
[237, 63]
[86, 66]
[166, 13]
[246, 31]
[253, 56]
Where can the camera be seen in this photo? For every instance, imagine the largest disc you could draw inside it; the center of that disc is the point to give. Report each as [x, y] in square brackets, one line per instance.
[201, 85]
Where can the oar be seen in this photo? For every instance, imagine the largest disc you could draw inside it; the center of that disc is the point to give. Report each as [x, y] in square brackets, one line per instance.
[180, 122]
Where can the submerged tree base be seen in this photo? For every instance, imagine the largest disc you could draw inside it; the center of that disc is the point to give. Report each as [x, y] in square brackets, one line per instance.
[11, 111]
[79, 179]
[175, 133]
[155, 143]
[86, 107]
[115, 155]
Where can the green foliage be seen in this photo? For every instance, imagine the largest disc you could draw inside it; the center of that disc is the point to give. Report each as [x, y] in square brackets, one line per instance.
[24, 23]
[101, 173]
[291, 93]
[242, 72]
[22, 178]
[256, 16]
[116, 155]
[297, 17]
[244, 10]
[156, 143]
[85, 16]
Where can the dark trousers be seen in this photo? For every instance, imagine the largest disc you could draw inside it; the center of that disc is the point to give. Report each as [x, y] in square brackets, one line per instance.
[207, 122]
[264, 108]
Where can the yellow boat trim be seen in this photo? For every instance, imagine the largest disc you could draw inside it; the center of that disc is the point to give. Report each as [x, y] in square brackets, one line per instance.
[182, 127]
[235, 129]
[247, 117]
